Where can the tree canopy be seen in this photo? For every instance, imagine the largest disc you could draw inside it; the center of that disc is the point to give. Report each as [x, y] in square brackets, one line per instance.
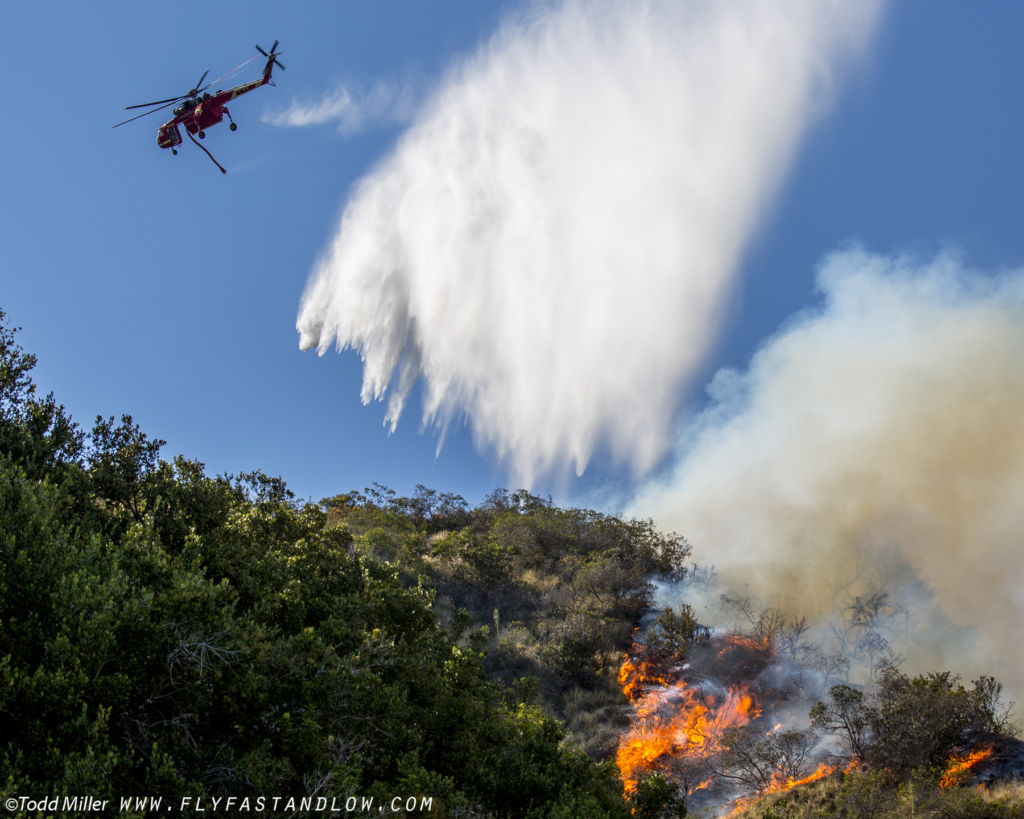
[167, 632]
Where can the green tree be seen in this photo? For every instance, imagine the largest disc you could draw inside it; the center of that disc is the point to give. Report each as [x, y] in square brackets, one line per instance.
[908, 723]
[919, 722]
[844, 714]
[675, 633]
[34, 432]
[657, 797]
[171, 633]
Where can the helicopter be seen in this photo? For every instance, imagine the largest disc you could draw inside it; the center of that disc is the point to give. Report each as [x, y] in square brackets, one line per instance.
[199, 110]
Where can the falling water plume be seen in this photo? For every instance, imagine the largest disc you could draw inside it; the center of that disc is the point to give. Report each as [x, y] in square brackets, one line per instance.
[552, 241]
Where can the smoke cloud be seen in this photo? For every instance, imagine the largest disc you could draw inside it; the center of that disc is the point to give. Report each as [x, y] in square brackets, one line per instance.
[551, 243]
[874, 445]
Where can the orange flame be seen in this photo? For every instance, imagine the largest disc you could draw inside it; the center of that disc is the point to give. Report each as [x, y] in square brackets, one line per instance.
[682, 721]
[674, 719]
[778, 786]
[633, 676]
[959, 766]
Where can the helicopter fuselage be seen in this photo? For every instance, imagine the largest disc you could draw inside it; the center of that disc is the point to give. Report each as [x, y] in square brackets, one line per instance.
[199, 113]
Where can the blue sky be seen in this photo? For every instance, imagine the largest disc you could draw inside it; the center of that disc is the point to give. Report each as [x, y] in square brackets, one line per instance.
[151, 285]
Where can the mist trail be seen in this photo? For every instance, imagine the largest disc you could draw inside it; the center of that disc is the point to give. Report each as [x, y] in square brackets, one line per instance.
[874, 445]
[551, 243]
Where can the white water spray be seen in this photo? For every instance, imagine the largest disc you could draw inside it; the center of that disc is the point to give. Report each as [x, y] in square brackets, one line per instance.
[551, 243]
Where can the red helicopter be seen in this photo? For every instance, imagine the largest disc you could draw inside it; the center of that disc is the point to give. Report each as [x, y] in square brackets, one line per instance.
[199, 111]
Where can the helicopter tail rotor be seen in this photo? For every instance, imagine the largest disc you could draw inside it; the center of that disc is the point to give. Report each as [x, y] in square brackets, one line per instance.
[272, 56]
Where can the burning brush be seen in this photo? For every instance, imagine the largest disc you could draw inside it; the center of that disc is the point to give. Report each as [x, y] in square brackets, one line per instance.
[730, 718]
[720, 724]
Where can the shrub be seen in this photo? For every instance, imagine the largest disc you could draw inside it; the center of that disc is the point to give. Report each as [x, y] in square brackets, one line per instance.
[168, 633]
[657, 797]
[909, 723]
[757, 761]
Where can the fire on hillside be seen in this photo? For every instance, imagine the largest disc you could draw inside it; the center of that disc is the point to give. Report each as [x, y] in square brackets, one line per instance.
[675, 718]
[961, 767]
[730, 724]
[703, 723]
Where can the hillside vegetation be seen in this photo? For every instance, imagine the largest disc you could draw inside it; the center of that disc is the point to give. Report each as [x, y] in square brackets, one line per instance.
[552, 594]
[871, 795]
[170, 633]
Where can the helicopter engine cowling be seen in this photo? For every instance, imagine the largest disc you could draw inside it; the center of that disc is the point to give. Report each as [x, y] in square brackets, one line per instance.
[168, 136]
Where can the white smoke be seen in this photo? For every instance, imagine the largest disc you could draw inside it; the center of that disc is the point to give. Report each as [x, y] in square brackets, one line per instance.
[552, 242]
[882, 429]
[353, 107]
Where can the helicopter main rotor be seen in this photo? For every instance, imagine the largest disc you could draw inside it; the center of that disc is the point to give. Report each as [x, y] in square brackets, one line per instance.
[192, 93]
